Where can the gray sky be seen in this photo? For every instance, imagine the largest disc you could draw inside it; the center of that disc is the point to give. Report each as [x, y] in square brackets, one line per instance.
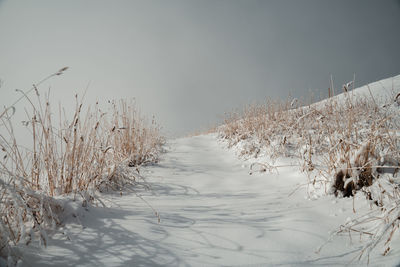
[188, 62]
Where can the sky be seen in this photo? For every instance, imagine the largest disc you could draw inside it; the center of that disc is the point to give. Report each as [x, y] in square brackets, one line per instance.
[188, 62]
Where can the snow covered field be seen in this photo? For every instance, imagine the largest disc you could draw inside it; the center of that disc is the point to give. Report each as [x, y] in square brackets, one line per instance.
[201, 204]
[212, 213]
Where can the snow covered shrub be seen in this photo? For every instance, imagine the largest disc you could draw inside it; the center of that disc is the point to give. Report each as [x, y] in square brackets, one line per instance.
[24, 212]
[133, 139]
[80, 154]
[348, 144]
[25, 216]
[86, 149]
[258, 127]
[338, 140]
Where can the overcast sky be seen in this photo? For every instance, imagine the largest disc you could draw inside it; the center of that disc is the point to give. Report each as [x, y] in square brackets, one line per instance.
[188, 62]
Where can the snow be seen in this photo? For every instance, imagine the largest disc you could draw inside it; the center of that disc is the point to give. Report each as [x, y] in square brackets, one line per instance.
[382, 91]
[210, 212]
[202, 205]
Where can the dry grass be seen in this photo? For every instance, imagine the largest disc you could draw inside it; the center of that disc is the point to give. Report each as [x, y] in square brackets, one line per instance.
[79, 155]
[345, 146]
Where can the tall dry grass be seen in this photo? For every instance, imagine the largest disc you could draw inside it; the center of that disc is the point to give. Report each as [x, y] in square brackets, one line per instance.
[79, 153]
[347, 146]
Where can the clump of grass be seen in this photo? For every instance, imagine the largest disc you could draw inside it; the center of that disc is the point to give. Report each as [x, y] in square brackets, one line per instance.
[130, 140]
[86, 149]
[346, 144]
[26, 215]
[79, 154]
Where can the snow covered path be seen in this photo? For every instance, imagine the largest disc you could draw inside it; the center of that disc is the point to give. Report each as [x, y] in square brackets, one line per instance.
[213, 213]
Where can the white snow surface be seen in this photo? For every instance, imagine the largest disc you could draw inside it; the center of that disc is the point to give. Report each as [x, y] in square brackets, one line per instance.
[382, 91]
[212, 213]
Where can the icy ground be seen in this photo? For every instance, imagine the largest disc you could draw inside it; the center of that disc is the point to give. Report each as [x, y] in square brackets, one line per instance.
[212, 213]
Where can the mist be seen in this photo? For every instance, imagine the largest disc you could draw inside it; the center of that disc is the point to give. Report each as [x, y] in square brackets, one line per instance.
[189, 62]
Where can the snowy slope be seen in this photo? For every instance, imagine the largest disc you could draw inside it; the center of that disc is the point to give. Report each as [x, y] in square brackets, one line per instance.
[212, 213]
[382, 91]
[200, 207]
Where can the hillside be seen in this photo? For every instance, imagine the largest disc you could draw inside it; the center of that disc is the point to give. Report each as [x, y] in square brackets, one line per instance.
[199, 206]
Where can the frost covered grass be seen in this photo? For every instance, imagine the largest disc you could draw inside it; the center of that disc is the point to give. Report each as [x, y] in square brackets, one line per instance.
[81, 154]
[348, 144]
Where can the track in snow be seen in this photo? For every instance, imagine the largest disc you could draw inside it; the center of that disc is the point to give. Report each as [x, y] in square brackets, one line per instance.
[212, 213]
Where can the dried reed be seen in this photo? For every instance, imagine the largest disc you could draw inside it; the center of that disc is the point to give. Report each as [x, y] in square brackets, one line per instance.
[346, 146]
[86, 153]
